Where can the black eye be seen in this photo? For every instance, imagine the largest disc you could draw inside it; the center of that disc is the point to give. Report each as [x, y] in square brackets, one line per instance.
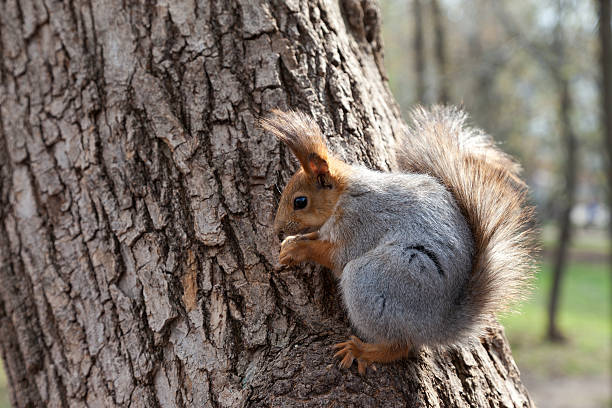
[299, 203]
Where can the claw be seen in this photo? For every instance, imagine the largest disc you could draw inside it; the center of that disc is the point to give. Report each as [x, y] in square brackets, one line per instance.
[286, 260]
[347, 361]
[361, 367]
[340, 345]
[366, 354]
[289, 253]
[349, 351]
[356, 340]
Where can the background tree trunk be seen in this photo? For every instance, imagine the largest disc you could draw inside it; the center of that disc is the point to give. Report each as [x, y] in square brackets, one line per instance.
[555, 63]
[440, 46]
[485, 100]
[570, 171]
[605, 43]
[419, 51]
[570, 147]
[137, 259]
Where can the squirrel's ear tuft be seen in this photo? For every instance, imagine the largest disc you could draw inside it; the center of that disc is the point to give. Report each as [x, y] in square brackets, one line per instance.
[302, 135]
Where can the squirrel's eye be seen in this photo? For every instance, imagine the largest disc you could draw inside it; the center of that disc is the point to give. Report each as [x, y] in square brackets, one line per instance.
[299, 203]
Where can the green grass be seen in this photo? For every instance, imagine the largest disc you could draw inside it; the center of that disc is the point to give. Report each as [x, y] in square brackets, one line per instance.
[4, 398]
[584, 317]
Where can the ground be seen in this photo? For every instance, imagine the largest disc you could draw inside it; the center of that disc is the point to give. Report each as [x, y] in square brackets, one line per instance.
[576, 373]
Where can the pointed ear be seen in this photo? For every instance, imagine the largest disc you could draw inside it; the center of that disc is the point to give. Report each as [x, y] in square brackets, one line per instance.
[302, 135]
[317, 165]
[319, 169]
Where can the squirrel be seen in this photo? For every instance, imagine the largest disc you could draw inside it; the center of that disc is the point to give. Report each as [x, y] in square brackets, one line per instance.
[424, 256]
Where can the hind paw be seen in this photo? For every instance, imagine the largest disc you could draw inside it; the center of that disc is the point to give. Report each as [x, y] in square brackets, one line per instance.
[352, 350]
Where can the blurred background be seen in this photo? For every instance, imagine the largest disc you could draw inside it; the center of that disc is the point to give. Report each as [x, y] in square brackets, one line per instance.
[531, 74]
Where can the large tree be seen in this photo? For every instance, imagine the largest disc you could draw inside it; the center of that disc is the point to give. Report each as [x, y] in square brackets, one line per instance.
[137, 260]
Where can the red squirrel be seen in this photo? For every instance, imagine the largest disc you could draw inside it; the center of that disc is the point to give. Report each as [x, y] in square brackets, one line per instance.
[424, 256]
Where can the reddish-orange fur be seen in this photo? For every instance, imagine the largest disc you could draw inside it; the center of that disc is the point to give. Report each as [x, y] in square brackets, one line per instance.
[307, 247]
[483, 180]
[368, 353]
[321, 178]
[299, 132]
[303, 137]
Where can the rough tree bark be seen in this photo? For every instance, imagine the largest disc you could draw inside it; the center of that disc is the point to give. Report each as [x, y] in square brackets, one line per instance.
[137, 259]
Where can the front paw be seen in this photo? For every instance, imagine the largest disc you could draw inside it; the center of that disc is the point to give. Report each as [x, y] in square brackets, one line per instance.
[293, 250]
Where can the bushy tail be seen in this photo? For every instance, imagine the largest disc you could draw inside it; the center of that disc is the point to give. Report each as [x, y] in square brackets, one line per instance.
[486, 184]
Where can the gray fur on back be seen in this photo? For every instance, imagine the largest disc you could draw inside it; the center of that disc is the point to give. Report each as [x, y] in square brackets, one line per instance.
[406, 257]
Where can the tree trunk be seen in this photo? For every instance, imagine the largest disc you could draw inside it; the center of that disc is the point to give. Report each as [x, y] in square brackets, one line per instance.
[565, 222]
[570, 169]
[483, 97]
[137, 258]
[419, 51]
[605, 41]
[440, 46]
